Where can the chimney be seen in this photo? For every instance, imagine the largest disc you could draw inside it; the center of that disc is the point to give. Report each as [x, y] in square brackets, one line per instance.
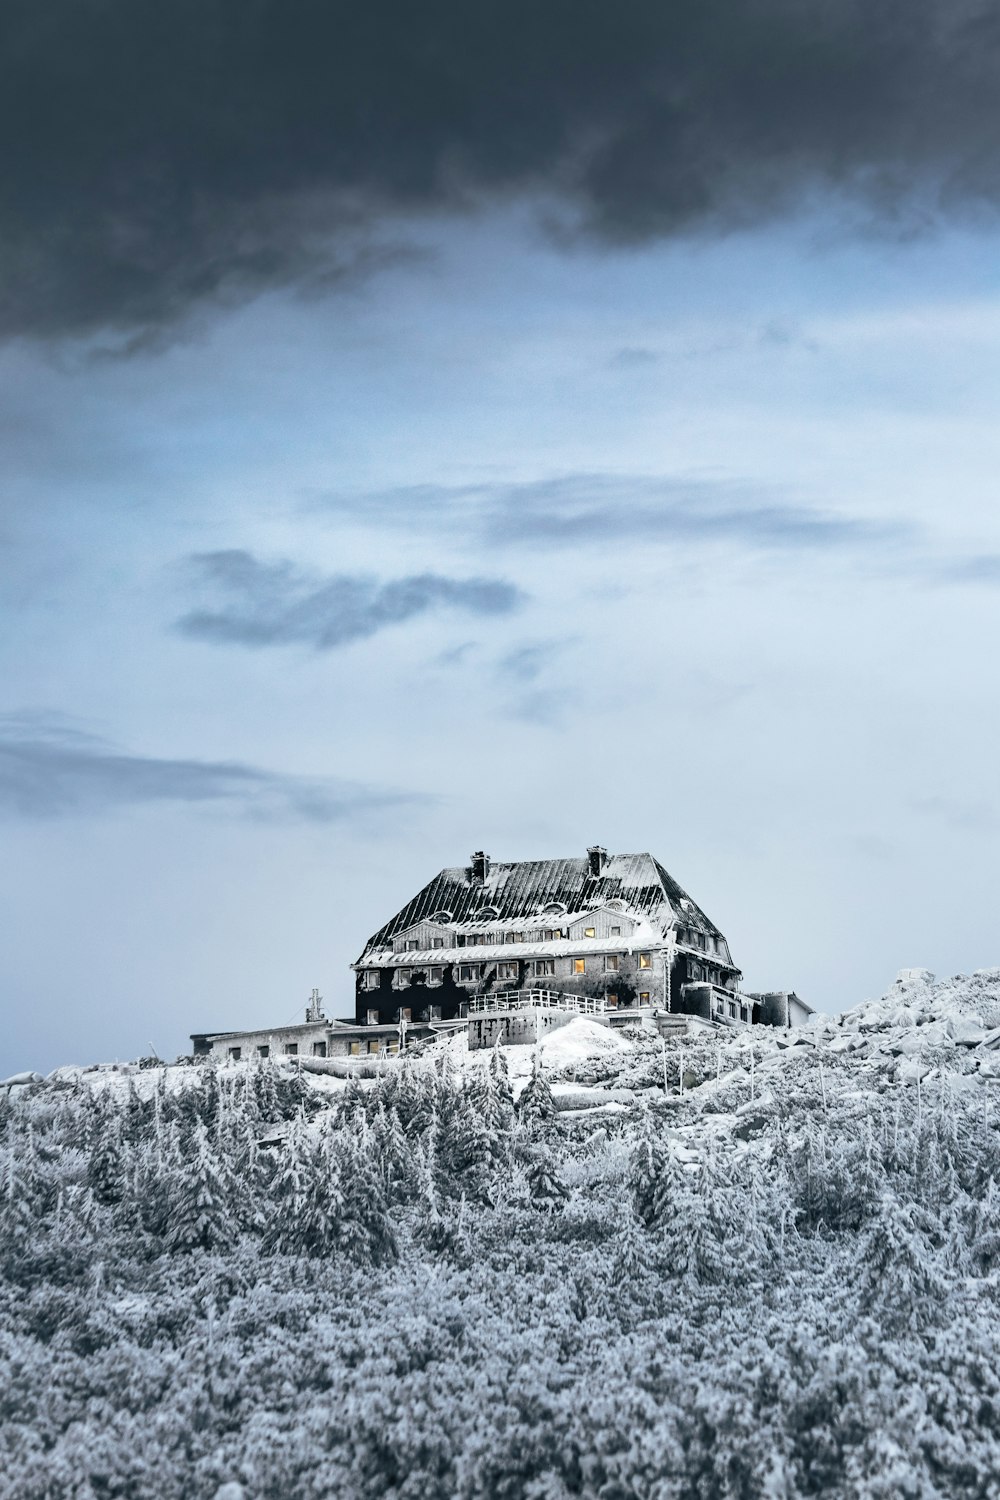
[480, 867]
[598, 858]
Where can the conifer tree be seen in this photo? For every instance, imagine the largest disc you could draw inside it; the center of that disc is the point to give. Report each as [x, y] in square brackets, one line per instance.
[899, 1276]
[650, 1177]
[106, 1167]
[546, 1188]
[536, 1101]
[366, 1234]
[200, 1212]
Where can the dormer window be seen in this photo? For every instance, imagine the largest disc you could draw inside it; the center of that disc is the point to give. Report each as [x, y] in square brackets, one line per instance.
[590, 932]
[553, 909]
[487, 914]
[441, 917]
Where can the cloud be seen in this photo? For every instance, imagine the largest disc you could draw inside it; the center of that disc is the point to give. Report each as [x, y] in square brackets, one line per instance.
[277, 604]
[634, 357]
[607, 509]
[159, 156]
[965, 816]
[50, 768]
[984, 568]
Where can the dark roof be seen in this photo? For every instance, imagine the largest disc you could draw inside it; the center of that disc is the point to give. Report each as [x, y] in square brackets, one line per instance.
[520, 888]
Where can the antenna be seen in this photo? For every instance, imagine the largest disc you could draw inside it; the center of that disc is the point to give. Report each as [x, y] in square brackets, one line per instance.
[314, 1010]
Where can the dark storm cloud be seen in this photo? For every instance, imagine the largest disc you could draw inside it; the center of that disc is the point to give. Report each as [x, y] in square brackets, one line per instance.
[277, 604]
[157, 155]
[49, 768]
[587, 509]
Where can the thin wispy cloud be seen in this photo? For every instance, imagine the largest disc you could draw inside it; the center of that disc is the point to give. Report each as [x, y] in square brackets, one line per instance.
[964, 815]
[604, 509]
[50, 768]
[261, 604]
[159, 158]
[981, 568]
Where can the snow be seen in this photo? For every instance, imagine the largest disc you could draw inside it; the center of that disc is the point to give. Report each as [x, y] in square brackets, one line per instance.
[781, 1281]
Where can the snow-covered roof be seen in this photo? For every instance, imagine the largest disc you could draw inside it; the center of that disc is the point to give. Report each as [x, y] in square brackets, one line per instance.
[520, 890]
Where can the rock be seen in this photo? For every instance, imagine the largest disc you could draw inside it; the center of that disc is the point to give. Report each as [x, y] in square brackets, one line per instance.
[965, 1031]
[18, 1080]
[907, 1045]
[911, 1070]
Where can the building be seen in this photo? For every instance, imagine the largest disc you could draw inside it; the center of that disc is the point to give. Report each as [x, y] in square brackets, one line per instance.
[512, 949]
[614, 928]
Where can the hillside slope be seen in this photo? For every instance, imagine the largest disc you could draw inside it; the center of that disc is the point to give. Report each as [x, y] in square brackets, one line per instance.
[743, 1265]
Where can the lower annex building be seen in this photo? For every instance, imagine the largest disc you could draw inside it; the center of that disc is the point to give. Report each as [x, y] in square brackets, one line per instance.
[611, 935]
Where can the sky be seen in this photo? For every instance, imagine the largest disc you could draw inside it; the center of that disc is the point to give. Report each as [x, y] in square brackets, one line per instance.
[497, 426]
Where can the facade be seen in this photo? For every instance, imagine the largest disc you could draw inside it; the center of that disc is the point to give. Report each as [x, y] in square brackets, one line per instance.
[615, 927]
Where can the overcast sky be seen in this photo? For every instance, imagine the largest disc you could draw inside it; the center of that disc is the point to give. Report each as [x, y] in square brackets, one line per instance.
[515, 426]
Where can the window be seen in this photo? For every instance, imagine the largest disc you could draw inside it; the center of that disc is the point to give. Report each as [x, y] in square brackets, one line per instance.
[643, 997]
[264, 1051]
[402, 978]
[743, 1013]
[468, 973]
[616, 932]
[435, 976]
[590, 932]
[732, 1008]
[611, 962]
[433, 1013]
[550, 934]
[404, 1013]
[235, 1053]
[373, 1018]
[355, 1049]
[374, 1048]
[507, 971]
[291, 1049]
[515, 937]
[412, 944]
[437, 942]
[476, 937]
[579, 966]
[611, 1000]
[371, 979]
[645, 960]
[319, 1049]
[544, 967]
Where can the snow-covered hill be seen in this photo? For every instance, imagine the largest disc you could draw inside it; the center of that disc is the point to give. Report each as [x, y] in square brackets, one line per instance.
[740, 1264]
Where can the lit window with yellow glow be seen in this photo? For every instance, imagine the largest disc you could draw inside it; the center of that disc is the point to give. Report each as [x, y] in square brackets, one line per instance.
[645, 960]
[579, 966]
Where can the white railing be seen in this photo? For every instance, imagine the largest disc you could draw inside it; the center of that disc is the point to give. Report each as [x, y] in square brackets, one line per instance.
[584, 1005]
